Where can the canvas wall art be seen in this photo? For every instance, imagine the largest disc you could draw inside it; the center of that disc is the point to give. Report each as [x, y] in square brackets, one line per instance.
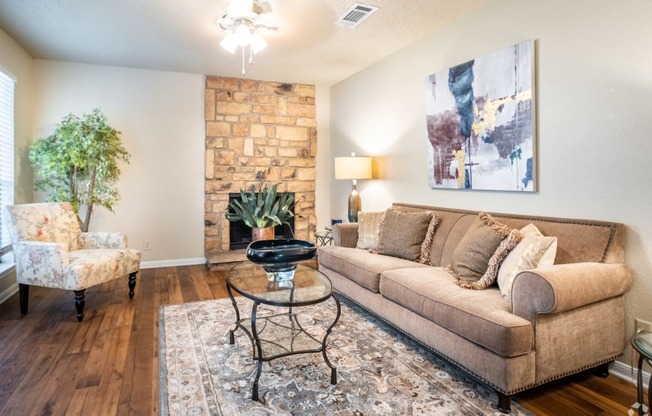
[480, 122]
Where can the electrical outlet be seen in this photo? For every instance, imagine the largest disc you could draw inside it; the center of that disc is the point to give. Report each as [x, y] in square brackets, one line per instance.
[147, 246]
[642, 325]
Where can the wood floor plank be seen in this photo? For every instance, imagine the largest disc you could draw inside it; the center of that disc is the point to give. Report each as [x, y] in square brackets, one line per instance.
[108, 365]
[55, 396]
[35, 380]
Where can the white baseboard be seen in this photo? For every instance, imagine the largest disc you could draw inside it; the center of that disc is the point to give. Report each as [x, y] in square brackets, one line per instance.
[172, 263]
[625, 372]
[9, 292]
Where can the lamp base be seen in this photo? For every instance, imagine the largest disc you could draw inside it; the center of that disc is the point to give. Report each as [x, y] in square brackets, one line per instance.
[355, 204]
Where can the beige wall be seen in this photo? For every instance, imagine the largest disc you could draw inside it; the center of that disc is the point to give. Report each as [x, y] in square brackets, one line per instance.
[594, 86]
[17, 63]
[161, 117]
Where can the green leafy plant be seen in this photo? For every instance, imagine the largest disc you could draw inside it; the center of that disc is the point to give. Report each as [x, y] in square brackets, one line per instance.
[262, 209]
[78, 163]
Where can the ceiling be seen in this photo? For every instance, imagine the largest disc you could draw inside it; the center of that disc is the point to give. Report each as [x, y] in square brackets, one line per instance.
[181, 35]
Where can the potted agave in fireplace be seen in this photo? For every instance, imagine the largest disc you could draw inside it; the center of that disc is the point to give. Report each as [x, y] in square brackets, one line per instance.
[262, 210]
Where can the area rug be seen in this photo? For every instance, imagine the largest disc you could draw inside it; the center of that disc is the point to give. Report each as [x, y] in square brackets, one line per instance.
[380, 372]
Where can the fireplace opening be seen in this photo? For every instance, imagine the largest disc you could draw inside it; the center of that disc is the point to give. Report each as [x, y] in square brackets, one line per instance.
[240, 233]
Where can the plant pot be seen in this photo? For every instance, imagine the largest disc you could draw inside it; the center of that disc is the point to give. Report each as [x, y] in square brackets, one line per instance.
[266, 233]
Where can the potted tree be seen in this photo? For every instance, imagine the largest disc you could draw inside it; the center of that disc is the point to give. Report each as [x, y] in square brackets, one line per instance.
[262, 210]
[78, 163]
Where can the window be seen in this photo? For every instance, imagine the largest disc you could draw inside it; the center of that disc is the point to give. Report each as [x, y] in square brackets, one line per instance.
[7, 84]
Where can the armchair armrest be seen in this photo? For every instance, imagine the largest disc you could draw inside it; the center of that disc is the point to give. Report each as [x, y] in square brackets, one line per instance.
[345, 234]
[103, 240]
[41, 264]
[564, 287]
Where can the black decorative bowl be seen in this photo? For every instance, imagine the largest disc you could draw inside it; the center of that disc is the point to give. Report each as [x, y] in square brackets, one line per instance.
[279, 258]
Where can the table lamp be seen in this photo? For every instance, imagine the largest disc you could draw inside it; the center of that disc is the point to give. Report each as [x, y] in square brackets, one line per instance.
[353, 168]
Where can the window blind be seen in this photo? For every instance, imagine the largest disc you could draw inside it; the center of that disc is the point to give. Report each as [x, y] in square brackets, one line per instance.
[7, 85]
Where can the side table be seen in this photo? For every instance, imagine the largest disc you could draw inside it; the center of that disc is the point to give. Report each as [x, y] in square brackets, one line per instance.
[642, 344]
[324, 238]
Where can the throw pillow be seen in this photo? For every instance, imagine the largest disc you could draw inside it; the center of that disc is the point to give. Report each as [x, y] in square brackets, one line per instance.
[534, 250]
[489, 277]
[426, 246]
[402, 233]
[471, 256]
[368, 229]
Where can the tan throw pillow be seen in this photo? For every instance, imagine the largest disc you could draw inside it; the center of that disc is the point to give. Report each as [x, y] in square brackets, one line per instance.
[426, 246]
[489, 277]
[533, 251]
[471, 256]
[368, 229]
[402, 233]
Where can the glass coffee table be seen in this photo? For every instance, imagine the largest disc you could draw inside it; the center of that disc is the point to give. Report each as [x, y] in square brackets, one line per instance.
[279, 335]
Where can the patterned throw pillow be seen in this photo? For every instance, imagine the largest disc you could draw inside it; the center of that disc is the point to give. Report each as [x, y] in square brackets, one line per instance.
[368, 229]
[471, 256]
[403, 233]
[533, 251]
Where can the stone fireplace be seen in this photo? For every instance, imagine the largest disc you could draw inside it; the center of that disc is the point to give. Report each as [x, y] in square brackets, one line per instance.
[257, 132]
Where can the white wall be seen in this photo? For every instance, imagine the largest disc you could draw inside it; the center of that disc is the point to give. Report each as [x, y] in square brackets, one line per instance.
[161, 117]
[594, 100]
[18, 64]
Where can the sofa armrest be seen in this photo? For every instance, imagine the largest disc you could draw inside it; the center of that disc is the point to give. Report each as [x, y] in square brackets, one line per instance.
[564, 287]
[103, 240]
[40, 263]
[345, 234]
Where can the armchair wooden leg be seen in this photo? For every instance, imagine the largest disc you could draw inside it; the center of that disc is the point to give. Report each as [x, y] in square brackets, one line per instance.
[23, 296]
[132, 284]
[80, 303]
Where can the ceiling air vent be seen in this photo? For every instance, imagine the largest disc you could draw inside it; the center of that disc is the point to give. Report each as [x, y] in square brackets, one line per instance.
[355, 15]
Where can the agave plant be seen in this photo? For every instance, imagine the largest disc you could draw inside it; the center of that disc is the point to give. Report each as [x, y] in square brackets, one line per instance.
[262, 209]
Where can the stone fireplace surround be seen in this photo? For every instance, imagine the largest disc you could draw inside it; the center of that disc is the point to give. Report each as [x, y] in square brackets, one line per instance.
[257, 132]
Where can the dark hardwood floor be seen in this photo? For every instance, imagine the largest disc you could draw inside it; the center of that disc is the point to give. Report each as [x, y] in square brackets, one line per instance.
[107, 365]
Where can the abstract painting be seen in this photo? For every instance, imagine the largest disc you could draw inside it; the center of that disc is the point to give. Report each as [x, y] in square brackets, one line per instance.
[480, 122]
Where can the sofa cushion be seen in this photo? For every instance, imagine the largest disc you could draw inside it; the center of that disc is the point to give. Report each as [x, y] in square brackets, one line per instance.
[534, 249]
[361, 266]
[368, 229]
[402, 233]
[481, 316]
[480, 242]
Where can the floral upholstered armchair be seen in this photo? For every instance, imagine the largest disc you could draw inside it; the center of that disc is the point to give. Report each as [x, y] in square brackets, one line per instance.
[51, 251]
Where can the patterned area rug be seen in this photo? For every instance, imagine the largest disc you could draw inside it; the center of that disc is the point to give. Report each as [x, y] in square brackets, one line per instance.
[380, 372]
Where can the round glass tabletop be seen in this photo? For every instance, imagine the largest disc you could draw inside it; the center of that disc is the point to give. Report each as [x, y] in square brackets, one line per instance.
[309, 286]
[642, 342]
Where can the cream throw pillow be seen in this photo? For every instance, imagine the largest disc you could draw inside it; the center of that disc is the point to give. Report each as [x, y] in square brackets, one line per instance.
[368, 229]
[533, 251]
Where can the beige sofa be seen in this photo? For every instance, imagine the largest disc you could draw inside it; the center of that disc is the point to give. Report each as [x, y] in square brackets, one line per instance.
[562, 319]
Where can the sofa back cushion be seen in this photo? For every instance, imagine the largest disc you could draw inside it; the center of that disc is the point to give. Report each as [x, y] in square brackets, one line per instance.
[577, 240]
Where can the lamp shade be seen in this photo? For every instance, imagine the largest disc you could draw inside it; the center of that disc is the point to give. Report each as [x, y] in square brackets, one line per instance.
[353, 167]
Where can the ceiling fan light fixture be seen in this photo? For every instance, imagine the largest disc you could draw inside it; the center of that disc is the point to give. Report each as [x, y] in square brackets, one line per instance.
[245, 19]
[230, 43]
[243, 34]
[257, 43]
